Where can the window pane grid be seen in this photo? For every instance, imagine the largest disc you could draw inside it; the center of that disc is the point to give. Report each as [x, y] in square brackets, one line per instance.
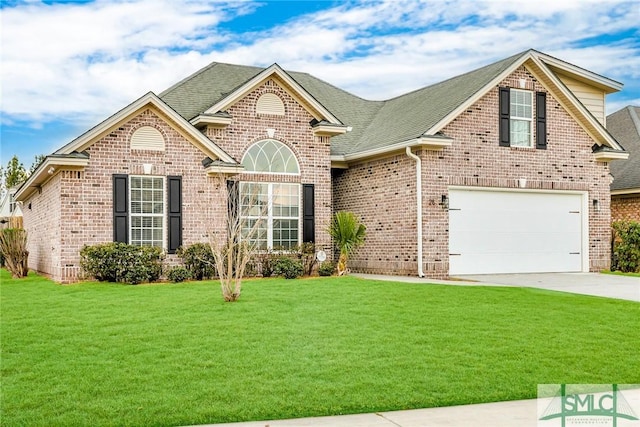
[277, 207]
[521, 111]
[147, 211]
[270, 156]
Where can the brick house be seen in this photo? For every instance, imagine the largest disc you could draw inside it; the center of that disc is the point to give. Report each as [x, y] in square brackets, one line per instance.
[502, 169]
[624, 125]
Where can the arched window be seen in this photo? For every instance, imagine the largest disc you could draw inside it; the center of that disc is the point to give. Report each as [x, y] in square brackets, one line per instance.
[270, 156]
[271, 210]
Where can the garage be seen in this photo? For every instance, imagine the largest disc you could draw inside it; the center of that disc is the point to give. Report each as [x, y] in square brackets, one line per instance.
[516, 231]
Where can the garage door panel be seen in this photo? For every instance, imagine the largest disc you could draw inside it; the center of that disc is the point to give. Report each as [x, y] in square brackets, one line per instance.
[507, 232]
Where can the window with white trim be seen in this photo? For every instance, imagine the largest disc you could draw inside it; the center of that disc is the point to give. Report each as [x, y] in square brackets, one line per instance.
[521, 118]
[270, 156]
[272, 210]
[147, 211]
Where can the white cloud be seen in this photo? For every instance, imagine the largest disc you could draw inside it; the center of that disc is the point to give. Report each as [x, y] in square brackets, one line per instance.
[84, 61]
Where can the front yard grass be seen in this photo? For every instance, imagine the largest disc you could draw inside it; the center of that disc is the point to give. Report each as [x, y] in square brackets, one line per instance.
[620, 273]
[176, 354]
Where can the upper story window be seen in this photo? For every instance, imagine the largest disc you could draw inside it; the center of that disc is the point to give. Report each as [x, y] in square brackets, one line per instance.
[270, 156]
[521, 118]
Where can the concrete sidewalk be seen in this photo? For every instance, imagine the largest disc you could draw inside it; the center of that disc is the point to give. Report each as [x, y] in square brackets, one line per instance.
[595, 284]
[517, 413]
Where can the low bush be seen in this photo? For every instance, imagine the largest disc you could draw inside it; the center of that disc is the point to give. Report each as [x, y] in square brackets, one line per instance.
[307, 254]
[326, 268]
[626, 247]
[119, 262]
[13, 247]
[288, 268]
[198, 259]
[178, 274]
[264, 262]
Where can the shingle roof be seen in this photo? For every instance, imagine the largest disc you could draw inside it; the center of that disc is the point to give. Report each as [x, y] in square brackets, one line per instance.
[624, 125]
[375, 124]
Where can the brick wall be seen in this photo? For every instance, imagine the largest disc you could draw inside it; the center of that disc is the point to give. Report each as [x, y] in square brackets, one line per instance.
[75, 208]
[625, 208]
[42, 214]
[293, 130]
[474, 159]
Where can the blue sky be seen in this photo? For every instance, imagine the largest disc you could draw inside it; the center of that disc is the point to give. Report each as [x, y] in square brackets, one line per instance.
[67, 65]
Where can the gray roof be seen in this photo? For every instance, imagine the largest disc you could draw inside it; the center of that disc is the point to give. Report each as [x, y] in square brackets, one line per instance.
[375, 124]
[624, 125]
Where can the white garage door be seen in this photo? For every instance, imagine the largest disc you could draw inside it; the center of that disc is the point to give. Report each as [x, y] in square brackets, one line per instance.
[514, 232]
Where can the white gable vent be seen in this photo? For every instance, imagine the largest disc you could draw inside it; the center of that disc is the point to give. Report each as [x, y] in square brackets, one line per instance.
[270, 103]
[147, 138]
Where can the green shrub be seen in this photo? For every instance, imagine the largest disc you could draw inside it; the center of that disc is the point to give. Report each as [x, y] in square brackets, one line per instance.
[119, 262]
[13, 247]
[287, 267]
[307, 254]
[264, 262]
[178, 274]
[198, 259]
[626, 247]
[326, 268]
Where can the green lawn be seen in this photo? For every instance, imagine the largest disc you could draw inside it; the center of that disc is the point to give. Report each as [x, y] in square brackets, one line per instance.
[620, 273]
[175, 354]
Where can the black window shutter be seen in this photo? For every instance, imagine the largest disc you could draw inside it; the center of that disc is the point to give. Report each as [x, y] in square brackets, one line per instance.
[174, 213]
[541, 120]
[121, 208]
[308, 214]
[505, 112]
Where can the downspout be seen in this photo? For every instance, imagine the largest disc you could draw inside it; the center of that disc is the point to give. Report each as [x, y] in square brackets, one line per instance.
[418, 206]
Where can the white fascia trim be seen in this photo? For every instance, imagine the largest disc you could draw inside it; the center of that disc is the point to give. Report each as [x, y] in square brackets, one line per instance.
[605, 156]
[41, 175]
[232, 98]
[211, 120]
[612, 85]
[426, 142]
[586, 115]
[329, 130]
[625, 191]
[88, 138]
[224, 170]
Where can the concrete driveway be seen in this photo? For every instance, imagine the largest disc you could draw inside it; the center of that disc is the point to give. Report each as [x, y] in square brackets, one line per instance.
[602, 285]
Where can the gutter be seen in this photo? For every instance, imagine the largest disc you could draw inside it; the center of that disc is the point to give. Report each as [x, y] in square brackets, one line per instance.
[418, 206]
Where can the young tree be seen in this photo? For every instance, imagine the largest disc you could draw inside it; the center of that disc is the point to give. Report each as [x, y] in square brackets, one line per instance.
[15, 173]
[348, 234]
[234, 247]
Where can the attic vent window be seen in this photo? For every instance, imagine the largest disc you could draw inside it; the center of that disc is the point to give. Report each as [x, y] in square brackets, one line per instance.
[270, 103]
[147, 138]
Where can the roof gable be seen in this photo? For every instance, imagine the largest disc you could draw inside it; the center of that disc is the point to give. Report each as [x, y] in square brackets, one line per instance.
[624, 125]
[149, 100]
[299, 93]
[217, 87]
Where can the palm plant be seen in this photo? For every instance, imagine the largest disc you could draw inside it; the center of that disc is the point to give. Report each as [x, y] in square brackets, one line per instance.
[348, 234]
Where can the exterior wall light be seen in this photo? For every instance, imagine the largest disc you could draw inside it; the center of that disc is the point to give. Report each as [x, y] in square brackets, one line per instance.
[444, 201]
